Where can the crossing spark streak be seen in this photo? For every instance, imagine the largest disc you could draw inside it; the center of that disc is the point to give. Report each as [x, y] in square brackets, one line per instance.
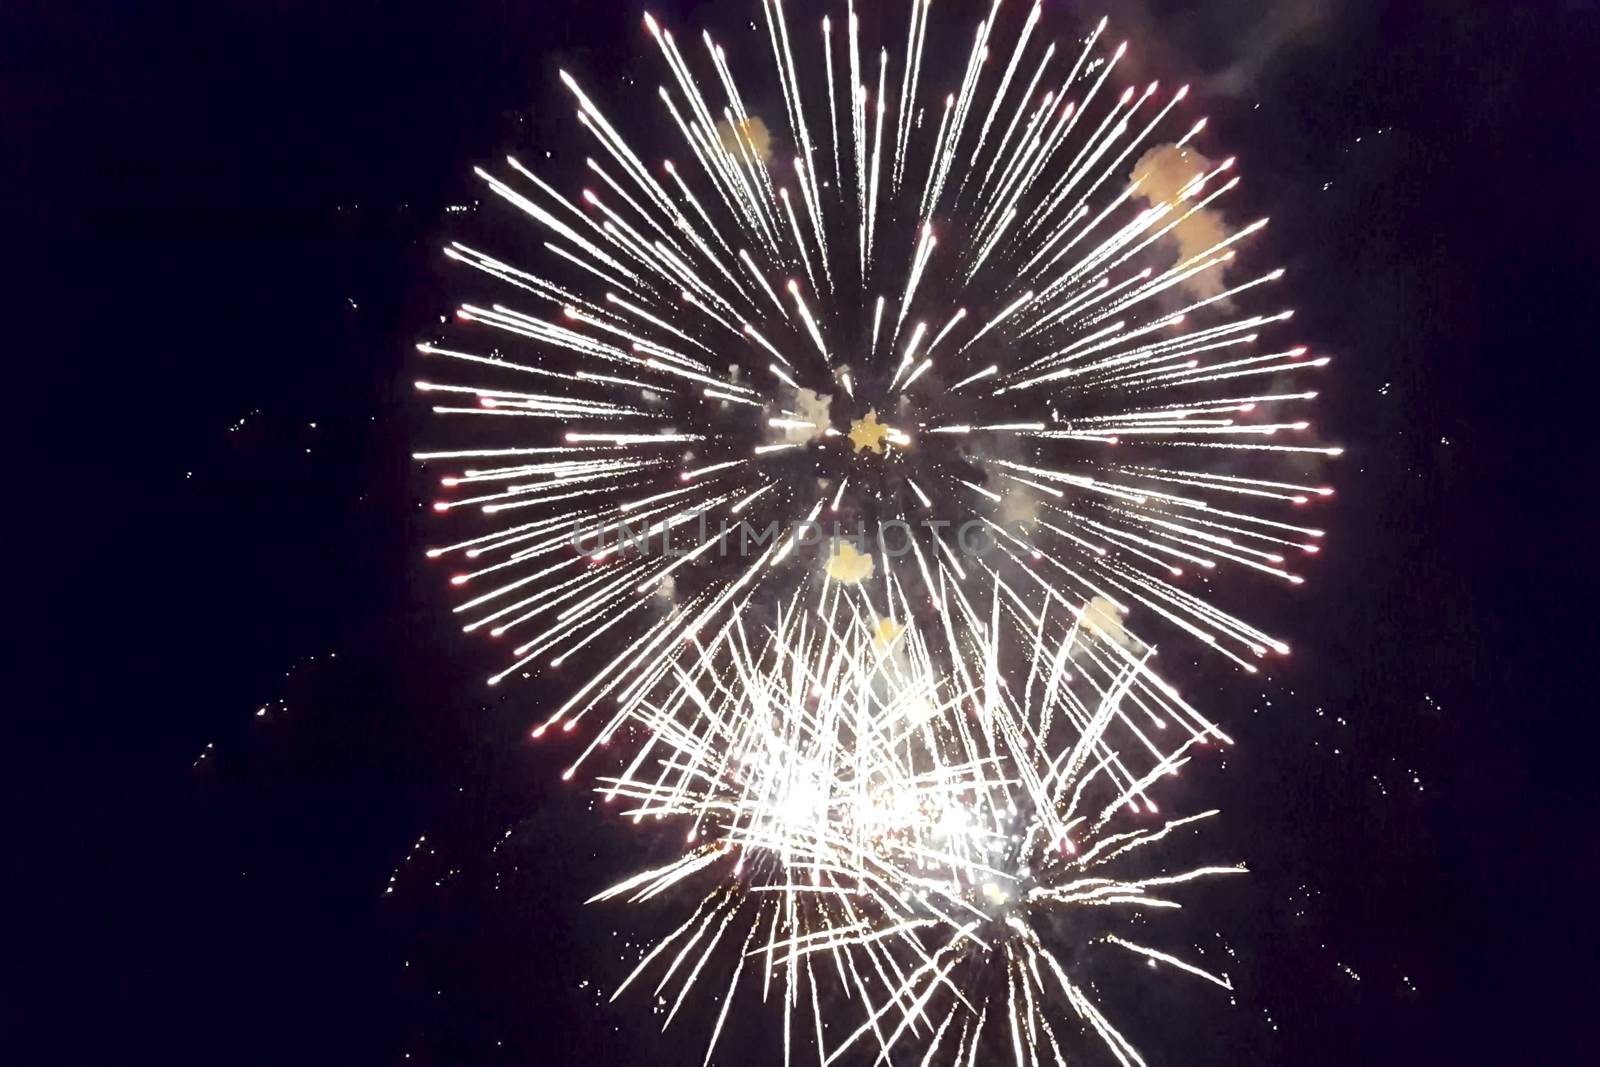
[885, 845]
[993, 297]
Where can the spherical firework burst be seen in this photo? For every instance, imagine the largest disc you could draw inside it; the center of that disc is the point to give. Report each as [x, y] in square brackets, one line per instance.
[954, 381]
[980, 320]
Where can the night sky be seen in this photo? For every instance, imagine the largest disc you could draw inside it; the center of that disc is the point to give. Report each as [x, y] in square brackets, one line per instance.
[241, 714]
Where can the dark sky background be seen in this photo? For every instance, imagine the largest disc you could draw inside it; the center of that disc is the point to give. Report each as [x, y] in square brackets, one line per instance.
[240, 713]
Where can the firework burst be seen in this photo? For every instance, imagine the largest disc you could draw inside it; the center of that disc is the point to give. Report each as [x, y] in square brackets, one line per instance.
[889, 843]
[979, 321]
[998, 337]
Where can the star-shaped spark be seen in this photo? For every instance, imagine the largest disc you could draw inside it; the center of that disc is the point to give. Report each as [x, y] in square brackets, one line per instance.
[868, 434]
[848, 565]
[888, 633]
